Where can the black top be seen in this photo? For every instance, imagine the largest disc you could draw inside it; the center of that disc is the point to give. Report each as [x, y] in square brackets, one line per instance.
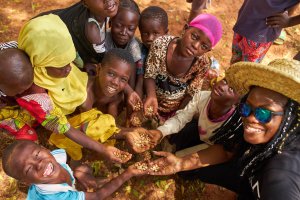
[279, 178]
[75, 18]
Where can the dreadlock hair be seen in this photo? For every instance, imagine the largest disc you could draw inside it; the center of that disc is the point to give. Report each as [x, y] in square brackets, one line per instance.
[155, 13]
[130, 5]
[288, 131]
[118, 54]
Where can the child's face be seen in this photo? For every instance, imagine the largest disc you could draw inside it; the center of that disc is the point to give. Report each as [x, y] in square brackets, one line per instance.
[150, 30]
[221, 92]
[61, 72]
[114, 77]
[194, 43]
[37, 165]
[104, 8]
[123, 27]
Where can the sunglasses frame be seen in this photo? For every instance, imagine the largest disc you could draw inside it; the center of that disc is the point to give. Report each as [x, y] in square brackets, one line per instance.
[253, 111]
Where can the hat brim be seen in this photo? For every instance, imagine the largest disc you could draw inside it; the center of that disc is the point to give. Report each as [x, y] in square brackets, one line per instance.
[285, 80]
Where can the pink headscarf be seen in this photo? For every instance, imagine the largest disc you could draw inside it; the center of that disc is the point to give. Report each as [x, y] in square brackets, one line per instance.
[210, 25]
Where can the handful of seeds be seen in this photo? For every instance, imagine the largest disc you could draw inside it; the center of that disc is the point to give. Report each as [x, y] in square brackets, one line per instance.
[137, 106]
[135, 121]
[144, 167]
[120, 155]
[149, 110]
[143, 140]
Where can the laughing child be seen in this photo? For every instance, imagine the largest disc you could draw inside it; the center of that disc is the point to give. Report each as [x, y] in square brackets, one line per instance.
[121, 35]
[177, 67]
[105, 94]
[50, 177]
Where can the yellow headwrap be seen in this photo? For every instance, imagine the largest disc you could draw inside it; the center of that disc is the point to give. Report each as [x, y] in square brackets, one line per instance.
[48, 43]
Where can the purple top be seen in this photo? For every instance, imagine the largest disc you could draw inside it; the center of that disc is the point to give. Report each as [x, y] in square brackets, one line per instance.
[251, 22]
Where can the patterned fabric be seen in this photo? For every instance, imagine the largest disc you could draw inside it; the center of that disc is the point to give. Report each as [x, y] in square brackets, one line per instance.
[170, 91]
[43, 110]
[244, 49]
[18, 122]
[7, 45]
[36, 106]
[61, 191]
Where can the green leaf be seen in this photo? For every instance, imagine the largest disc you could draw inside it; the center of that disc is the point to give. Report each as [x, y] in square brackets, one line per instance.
[135, 193]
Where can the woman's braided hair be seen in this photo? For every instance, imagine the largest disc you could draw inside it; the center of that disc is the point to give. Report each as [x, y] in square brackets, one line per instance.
[252, 157]
[289, 129]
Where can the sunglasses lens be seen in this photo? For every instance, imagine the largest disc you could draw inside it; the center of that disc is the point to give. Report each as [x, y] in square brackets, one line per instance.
[245, 110]
[263, 115]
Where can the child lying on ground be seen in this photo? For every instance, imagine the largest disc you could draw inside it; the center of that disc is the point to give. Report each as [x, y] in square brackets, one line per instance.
[49, 175]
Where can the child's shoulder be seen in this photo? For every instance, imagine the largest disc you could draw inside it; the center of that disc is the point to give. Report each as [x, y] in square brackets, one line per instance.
[162, 40]
[60, 155]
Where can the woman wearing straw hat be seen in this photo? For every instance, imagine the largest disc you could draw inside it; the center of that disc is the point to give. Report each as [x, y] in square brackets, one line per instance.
[260, 160]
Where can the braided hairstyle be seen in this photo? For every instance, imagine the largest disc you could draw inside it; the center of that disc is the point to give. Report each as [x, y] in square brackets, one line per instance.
[288, 131]
[252, 157]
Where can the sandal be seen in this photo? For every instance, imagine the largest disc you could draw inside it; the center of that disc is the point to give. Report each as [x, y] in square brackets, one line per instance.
[282, 37]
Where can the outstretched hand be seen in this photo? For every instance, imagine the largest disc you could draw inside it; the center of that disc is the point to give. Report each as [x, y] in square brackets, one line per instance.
[150, 107]
[115, 155]
[168, 164]
[280, 20]
[140, 139]
[135, 101]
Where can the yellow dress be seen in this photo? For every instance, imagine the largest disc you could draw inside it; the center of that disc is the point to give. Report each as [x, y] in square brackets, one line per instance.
[94, 124]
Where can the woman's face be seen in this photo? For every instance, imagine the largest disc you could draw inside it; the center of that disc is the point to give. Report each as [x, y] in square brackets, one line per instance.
[61, 72]
[256, 132]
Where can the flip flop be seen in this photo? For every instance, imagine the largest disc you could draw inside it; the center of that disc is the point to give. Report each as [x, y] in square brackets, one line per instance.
[282, 37]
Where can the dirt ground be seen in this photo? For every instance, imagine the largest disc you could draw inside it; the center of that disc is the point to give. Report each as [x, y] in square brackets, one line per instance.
[14, 13]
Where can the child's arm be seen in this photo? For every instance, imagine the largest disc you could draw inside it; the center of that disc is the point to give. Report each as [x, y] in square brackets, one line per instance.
[140, 78]
[109, 152]
[139, 85]
[114, 184]
[185, 101]
[283, 20]
[151, 99]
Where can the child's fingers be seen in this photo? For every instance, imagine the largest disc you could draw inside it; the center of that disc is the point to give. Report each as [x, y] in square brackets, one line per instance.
[161, 153]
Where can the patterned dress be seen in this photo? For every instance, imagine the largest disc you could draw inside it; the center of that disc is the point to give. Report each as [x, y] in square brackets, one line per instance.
[170, 90]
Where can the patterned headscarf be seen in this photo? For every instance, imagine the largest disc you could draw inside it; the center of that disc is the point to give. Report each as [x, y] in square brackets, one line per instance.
[48, 43]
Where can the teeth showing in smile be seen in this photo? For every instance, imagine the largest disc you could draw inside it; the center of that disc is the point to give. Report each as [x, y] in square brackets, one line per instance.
[48, 170]
[253, 130]
[111, 90]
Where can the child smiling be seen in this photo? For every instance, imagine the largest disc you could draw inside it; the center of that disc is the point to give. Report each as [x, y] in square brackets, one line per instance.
[49, 175]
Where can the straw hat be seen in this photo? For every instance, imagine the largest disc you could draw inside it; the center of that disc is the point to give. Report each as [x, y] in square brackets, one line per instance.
[281, 75]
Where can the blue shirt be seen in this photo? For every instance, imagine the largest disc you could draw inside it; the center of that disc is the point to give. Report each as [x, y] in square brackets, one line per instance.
[251, 22]
[56, 191]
